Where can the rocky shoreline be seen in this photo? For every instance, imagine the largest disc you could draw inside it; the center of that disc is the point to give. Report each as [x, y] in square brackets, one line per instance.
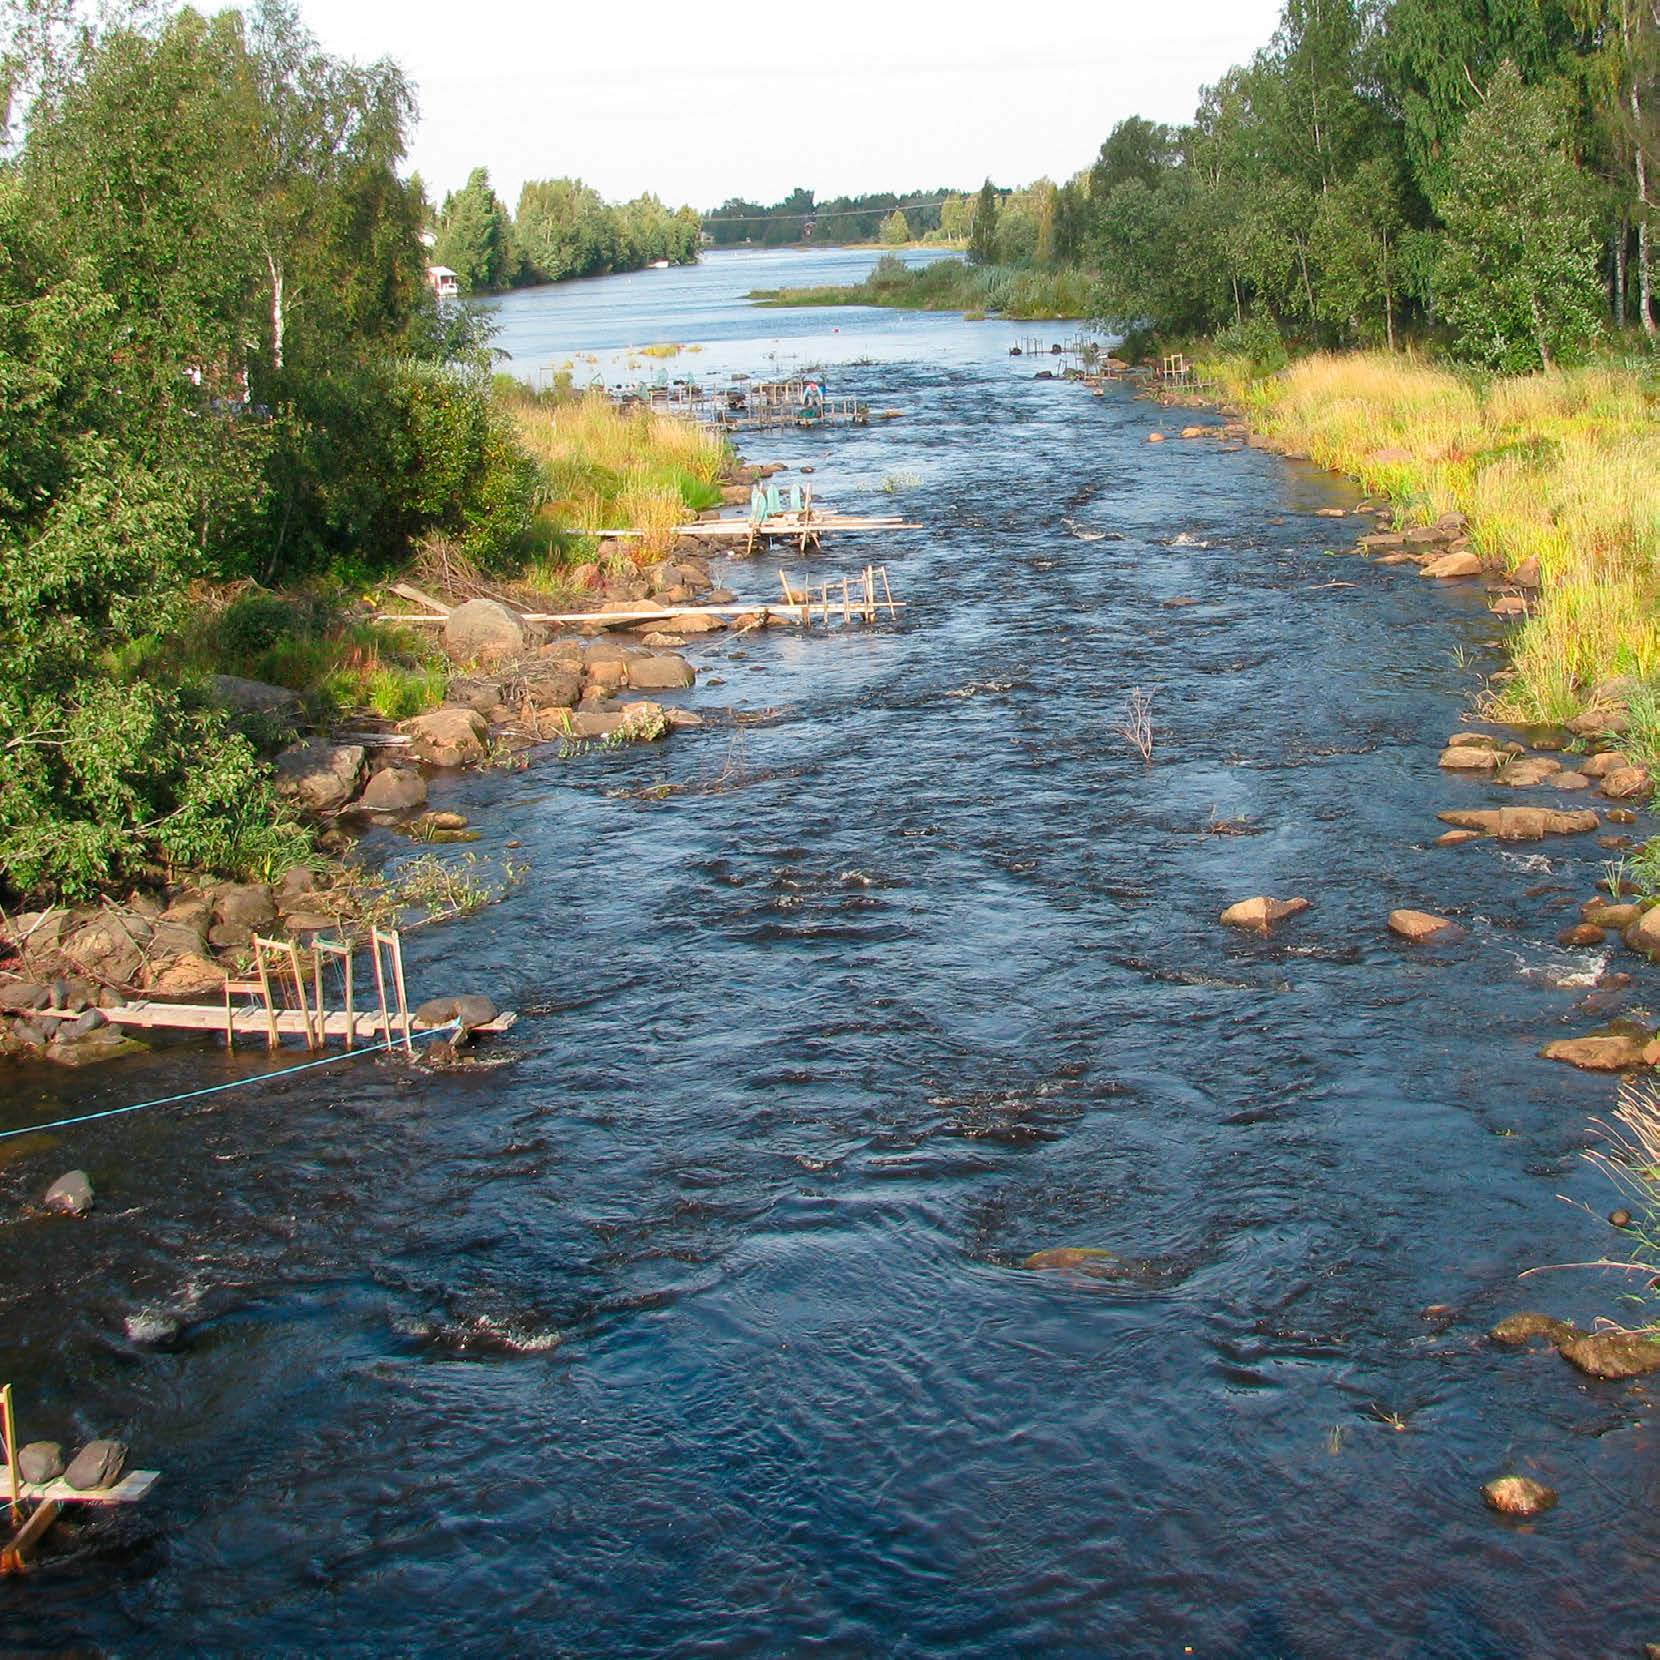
[515, 687]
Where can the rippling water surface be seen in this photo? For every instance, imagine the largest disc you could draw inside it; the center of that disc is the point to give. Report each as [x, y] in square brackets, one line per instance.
[701, 1327]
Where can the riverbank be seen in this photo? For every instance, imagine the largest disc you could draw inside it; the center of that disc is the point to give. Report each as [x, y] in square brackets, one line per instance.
[1017, 293]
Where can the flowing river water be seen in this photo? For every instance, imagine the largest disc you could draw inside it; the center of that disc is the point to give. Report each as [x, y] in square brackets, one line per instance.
[701, 1328]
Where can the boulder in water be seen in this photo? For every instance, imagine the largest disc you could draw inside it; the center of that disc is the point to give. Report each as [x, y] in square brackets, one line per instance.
[1260, 914]
[70, 1194]
[1608, 1052]
[1614, 1354]
[1420, 925]
[1516, 1329]
[470, 1009]
[1083, 1259]
[1518, 1496]
[1522, 824]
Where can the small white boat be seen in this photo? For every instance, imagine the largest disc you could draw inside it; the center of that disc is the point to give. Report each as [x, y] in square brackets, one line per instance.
[659, 265]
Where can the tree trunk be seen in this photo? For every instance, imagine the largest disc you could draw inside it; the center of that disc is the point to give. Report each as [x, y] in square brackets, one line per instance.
[276, 310]
[1620, 236]
[1645, 283]
[1388, 298]
[1539, 330]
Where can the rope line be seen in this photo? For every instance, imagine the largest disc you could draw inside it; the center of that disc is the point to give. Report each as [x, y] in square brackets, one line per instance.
[218, 1089]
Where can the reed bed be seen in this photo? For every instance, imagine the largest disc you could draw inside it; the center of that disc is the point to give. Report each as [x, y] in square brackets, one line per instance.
[1563, 467]
[605, 468]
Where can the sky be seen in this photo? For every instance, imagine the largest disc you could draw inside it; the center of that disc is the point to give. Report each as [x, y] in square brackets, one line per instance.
[752, 97]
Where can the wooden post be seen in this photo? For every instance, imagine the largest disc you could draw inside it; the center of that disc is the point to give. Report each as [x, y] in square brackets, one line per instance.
[396, 942]
[11, 1448]
[230, 1020]
[375, 937]
[272, 1039]
[317, 994]
[893, 610]
[12, 1560]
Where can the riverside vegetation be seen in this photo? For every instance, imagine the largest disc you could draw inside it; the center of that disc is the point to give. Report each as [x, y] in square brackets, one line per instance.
[232, 410]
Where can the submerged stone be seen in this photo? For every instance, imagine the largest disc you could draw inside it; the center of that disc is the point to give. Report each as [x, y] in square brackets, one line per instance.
[1078, 1258]
[1518, 1496]
[1614, 1354]
[1517, 1329]
[1260, 914]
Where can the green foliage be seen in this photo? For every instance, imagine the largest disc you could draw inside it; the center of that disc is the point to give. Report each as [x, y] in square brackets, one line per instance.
[1517, 279]
[896, 229]
[982, 240]
[474, 236]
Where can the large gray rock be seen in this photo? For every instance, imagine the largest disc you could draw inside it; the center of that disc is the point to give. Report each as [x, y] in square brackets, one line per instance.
[318, 774]
[40, 1461]
[70, 1194]
[244, 905]
[469, 1008]
[254, 697]
[484, 630]
[110, 948]
[394, 790]
[97, 1464]
[22, 996]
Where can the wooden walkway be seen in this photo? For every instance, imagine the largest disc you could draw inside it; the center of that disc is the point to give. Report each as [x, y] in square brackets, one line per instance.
[255, 1022]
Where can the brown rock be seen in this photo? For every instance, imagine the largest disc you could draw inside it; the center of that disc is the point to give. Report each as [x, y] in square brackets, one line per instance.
[1457, 838]
[660, 674]
[1509, 605]
[1526, 574]
[1382, 541]
[555, 691]
[1260, 914]
[394, 790]
[692, 622]
[1451, 565]
[1595, 721]
[1614, 1354]
[1418, 925]
[110, 948]
[1471, 758]
[1642, 934]
[243, 904]
[448, 737]
[1621, 815]
[1581, 933]
[1614, 917]
[1524, 771]
[1614, 1052]
[1155, 438]
[1569, 781]
[1518, 1496]
[318, 774]
[189, 976]
[1070, 1258]
[1521, 824]
[1604, 762]
[484, 630]
[1624, 782]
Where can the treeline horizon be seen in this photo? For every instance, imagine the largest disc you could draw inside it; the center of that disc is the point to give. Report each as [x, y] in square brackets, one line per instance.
[1480, 172]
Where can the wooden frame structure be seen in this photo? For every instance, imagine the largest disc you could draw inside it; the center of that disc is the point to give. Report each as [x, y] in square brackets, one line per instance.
[24, 1533]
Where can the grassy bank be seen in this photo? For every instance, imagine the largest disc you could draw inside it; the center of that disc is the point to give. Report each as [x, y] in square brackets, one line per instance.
[606, 468]
[1561, 467]
[1016, 292]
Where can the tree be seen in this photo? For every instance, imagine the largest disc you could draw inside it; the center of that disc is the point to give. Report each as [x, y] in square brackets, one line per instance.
[473, 235]
[896, 230]
[982, 244]
[1358, 227]
[1518, 273]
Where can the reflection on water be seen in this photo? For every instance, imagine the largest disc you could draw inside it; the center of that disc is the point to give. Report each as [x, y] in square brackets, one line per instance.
[705, 1327]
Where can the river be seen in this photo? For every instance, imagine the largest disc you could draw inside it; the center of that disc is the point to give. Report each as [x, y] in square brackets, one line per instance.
[700, 1328]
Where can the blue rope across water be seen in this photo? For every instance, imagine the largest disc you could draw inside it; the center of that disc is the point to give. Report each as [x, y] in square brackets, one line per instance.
[219, 1089]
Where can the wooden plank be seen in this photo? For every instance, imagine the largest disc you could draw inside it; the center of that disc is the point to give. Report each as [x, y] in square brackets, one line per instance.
[210, 1017]
[405, 591]
[12, 1557]
[132, 1487]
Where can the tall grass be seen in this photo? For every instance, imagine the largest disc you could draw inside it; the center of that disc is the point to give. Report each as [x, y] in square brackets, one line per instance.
[1563, 467]
[605, 468]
